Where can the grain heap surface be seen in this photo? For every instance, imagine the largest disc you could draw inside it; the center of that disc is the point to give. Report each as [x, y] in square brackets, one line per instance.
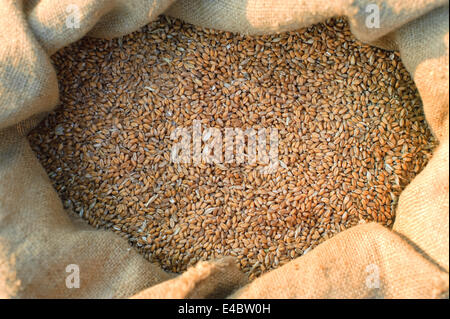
[350, 127]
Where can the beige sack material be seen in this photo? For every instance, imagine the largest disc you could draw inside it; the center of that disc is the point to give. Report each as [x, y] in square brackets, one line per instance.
[38, 239]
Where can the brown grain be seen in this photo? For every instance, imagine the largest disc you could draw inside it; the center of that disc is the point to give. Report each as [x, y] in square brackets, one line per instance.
[351, 136]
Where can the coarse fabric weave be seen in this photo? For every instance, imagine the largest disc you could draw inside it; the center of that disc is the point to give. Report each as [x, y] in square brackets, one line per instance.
[39, 239]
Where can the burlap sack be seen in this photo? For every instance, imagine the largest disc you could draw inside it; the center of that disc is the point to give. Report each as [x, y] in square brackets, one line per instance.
[38, 239]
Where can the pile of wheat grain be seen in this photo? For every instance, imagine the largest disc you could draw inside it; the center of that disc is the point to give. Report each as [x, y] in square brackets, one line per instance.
[350, 126]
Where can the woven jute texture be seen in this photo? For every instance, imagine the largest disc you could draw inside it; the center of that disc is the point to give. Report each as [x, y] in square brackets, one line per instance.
[39, 239]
